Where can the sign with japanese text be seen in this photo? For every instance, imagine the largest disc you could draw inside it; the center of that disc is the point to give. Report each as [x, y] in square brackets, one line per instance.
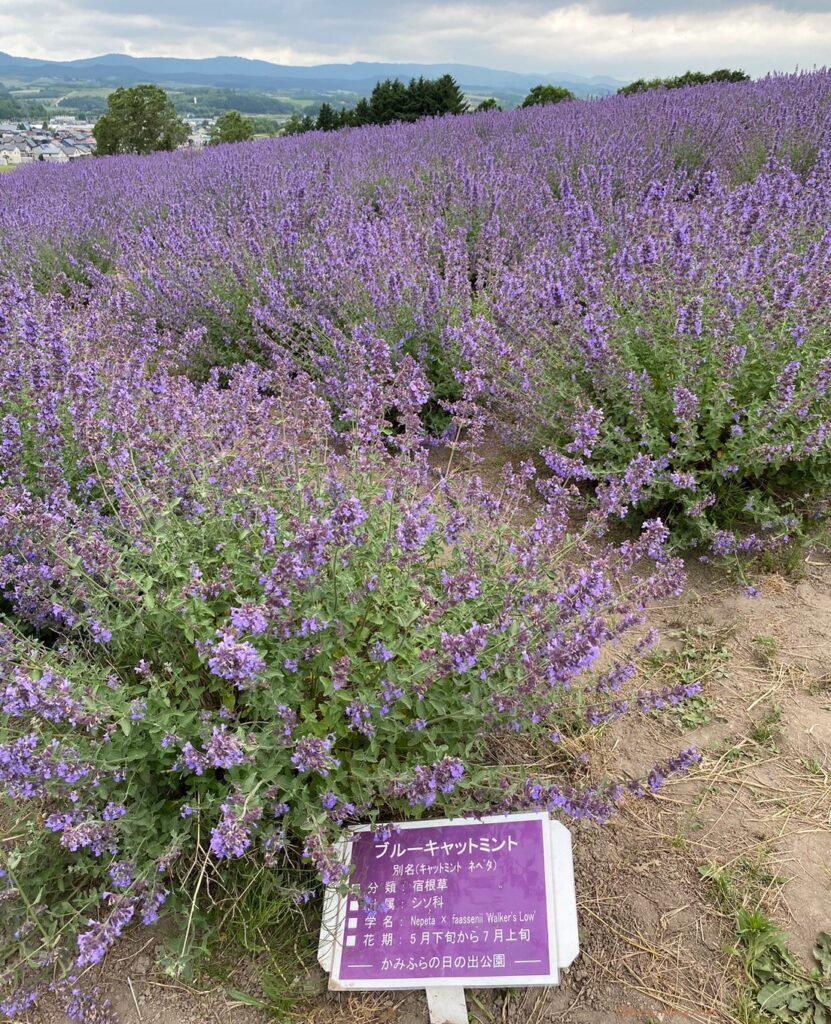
[466, 902]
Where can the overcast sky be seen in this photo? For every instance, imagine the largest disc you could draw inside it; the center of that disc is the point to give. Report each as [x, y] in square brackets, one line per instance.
[625, 38]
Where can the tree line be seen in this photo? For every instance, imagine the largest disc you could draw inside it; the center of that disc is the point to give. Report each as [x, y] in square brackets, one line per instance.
[143, 119]
[392, 102]
[682, 81]
[14, 109]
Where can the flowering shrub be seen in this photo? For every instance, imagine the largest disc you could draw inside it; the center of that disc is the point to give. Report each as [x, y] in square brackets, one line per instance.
[679, 359]
[224, 636]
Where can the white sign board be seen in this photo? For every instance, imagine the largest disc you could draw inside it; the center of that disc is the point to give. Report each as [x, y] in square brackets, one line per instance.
[453, 903]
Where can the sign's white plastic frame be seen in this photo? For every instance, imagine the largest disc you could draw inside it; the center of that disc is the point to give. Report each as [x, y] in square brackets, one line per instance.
[561, 909]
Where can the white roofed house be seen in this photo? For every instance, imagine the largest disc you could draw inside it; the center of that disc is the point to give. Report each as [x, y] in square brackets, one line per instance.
[31, 146]
[10, 152]
[199, 137]
[27, 150]
[76, 145]
[48, 152]
[68, 147]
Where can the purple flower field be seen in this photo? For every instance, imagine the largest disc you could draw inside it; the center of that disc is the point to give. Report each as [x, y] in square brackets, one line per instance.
[590, 260]
[240, 609]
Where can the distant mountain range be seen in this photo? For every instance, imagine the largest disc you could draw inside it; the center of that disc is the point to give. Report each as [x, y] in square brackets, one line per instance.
[114, 69]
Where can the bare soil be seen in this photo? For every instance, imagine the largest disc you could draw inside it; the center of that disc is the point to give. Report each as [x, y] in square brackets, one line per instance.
[655, 938]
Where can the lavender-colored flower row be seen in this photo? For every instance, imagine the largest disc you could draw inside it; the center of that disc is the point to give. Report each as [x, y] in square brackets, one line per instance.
[657, 263]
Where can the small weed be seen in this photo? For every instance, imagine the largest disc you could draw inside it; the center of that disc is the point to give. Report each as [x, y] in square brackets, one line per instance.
[733, 750]
[764, 649]
[746, 1009]
[756, 873]
[692, 714]
[765, 732]
[784, 989]
[722, 883]
[813, 767]
[488, 1017]
[738, 884]
[777, 987]
[279, 939]
[820, 687]
[700, 658]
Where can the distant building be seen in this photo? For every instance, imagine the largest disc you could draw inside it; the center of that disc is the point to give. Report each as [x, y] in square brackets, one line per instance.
[48, 152]
[65, 139]
[199, 131]
[10, 153]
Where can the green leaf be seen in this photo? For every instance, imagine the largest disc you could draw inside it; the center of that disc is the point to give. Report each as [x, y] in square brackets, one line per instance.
[822, 953]
[407, 617]
[776, 995]
[246, 1000]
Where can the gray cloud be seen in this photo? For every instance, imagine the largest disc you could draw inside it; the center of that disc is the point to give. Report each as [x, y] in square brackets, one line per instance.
[621, 37]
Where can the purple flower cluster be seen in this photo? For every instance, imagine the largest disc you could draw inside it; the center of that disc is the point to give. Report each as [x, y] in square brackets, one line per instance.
[425, 783]
[224, 750]
[464, 650]
[48, 697]
[312, 754]
[249, 619]
[233, 659]
[121, 874]
[380, 653]
[94, 943]
[359, 717]
[231, 836]
[327, 862]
